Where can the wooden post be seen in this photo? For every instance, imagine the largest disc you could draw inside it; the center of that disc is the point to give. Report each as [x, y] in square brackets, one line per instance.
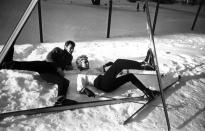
[155, 17]
[197, 14]
[150, 31]
[40, 21]
[109, 18]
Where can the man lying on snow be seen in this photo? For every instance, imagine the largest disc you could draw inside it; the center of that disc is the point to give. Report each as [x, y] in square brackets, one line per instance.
[51, 70]
[109, 81]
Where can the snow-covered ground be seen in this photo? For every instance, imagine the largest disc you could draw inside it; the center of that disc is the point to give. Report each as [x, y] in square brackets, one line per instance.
[181, 53]
[78, 20]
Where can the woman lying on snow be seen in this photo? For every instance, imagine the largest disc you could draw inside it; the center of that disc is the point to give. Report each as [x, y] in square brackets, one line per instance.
[109, 81]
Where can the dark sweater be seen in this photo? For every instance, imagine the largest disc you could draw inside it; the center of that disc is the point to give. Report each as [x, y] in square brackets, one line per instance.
[62, 58]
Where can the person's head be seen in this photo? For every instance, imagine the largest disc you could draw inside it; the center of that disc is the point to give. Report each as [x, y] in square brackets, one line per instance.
[69, 46]
[82, 62]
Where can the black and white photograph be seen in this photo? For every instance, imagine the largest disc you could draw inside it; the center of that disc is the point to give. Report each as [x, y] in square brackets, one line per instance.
[102, 65]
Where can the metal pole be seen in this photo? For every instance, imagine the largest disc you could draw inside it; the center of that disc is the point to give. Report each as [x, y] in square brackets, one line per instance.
[197, 14]
[17, 30]
[155, 17]
[40, 21]
[156, 64]
[109, 19]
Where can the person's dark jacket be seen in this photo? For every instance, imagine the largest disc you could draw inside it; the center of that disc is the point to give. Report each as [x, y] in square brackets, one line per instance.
[61, 57]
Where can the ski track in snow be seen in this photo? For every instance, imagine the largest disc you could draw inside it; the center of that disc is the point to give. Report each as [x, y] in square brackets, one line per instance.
[181, 53]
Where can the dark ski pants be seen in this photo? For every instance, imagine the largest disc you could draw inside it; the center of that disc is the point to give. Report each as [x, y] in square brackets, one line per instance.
[37, 66]
[110, 81]
[47, 71]
[62, 82]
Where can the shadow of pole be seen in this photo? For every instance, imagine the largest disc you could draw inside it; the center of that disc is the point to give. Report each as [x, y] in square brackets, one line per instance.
[191, 118]
[148, 109]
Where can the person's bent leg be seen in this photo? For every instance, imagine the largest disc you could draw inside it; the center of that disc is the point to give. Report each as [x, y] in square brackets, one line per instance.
[9, 55]
[116, 68]
[130, 78]
[62, 82]
[63, 85]
[149, 93]
[119, 65]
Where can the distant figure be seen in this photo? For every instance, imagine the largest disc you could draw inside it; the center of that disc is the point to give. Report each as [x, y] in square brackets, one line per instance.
[138, 6]
[96, 2]
[51, 70]
[143, 7]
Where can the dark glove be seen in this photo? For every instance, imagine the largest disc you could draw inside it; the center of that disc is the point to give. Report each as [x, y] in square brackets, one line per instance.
[107, 64]
[87, 92]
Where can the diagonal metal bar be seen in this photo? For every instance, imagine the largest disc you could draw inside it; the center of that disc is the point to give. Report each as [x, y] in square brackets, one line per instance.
[17, 30]
[40, 21]
[197, 14]
[155, 16]
[150, 31]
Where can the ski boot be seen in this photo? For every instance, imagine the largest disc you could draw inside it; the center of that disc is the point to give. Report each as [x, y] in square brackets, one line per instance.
[63, 101]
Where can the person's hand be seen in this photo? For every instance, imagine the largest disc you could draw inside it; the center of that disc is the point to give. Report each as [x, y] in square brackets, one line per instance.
[106, 65]
[60, 71]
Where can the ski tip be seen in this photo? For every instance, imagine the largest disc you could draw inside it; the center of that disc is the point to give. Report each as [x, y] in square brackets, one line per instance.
[179, 77]
[126, 121]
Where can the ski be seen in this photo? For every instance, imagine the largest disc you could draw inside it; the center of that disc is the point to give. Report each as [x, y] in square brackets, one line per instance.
[133, 115]
[150, 101]
[80, 105]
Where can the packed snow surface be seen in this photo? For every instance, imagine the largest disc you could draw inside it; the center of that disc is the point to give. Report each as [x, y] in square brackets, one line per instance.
[180, 53]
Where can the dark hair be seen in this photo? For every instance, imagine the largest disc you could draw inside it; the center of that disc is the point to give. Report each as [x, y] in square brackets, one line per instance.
[70, 43]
